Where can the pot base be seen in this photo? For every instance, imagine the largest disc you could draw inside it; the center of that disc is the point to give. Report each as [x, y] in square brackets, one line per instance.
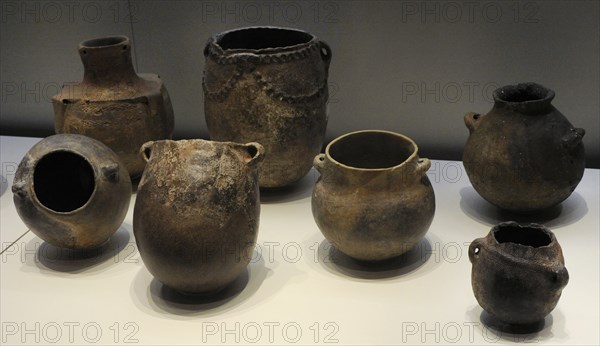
[494, 323]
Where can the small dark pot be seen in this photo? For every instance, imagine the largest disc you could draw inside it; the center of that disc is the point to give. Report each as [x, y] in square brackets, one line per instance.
[196, 212]
[373, 200]
[269, 85]
[72, 191]
[523, 155]
[518, 272]
[114, 104]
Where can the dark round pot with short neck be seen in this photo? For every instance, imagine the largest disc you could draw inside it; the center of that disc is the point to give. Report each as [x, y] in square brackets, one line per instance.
[523, 155]
[269, 85]
[518, 272]
[72, 191]
[113, 103]
[373, 200]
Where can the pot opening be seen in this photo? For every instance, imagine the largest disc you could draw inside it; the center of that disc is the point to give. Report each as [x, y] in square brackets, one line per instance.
[262, 38]
[63, 181]
[104, 41]
[523, 235]
[371, 150]
[522, 93]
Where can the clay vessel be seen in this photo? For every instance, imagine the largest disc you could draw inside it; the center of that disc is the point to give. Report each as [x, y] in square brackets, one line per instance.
[72, 191]
[518, 272]
[373, 200]
[269, 85]
[114, 104]
[197, 211]
[523, 155]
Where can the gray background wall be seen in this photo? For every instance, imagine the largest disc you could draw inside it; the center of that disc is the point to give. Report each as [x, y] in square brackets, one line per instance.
[407, 66]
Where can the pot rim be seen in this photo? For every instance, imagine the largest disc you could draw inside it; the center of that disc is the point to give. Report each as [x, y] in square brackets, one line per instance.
[499, 94]
[200, 140]
[104, 42]
[76, 210]
[535, 226]
[411, 157]
[262, 51]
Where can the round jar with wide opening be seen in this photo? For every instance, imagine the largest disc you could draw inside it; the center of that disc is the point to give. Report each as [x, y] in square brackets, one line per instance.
[518, 272]
[72, 191]
[373, 200]
[269, 85]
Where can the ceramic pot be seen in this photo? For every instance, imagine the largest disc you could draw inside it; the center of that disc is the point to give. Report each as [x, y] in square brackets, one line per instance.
[518, 272]
[269, 85]
[114, 104]
[523, 155]
[197, 211]
[373, 200]
[72, 191]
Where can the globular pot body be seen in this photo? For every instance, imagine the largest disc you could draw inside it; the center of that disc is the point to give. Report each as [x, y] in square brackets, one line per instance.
[114, 104]
[72, 191]
[518, 272]
[197, 211]
[373, 200]
[269, 85]
[524, 155]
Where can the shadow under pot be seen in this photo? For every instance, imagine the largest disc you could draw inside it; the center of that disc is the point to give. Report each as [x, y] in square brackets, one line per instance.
[72, 191]
[373, 200]
[518, 272]
[269, 85]
[113, 103]
[523, 155]
[197, 211]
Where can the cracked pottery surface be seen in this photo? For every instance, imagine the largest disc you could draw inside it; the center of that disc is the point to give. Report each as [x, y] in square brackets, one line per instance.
[518, 272]
[197, 212]
[269, 85]
[523, 155]
[72, 191]
[113, 103]
[373, 200]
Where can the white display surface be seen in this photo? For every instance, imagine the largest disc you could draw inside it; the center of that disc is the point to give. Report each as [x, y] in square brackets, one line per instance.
[296, 289]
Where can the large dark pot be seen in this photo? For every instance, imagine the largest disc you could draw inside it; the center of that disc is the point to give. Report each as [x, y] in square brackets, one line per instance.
[72, 191]
[114, 104]
[196, 212]
[269, 85]
[373, 200]
[518, 272]
[523, 155]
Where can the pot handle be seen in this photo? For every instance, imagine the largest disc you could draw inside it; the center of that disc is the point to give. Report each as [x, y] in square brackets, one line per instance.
[206, 49]
[319, 163]
[573, 138]
[560, 277]
[111, 172]
[18, 189]
[146, 150]
[472, 121]
[256, 152]
[325, 51]
[423, 165]
[475, 249]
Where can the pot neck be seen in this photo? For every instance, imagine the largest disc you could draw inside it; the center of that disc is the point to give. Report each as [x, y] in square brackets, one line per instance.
[108, 64]
[525, 98]
[397, 176]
